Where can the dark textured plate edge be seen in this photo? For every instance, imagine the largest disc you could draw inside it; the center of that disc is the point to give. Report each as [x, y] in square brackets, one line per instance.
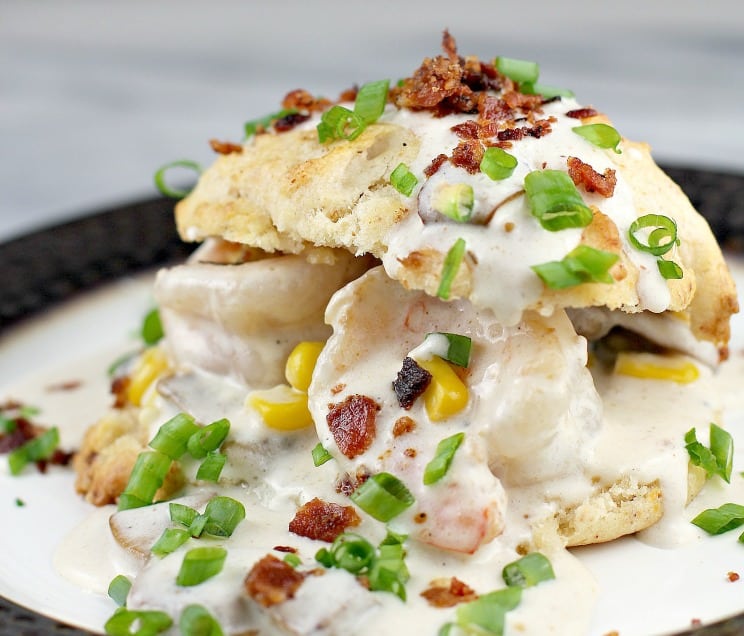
[53, 265]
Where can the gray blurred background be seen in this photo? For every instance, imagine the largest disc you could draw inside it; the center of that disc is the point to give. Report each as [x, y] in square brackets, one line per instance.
[95, 95]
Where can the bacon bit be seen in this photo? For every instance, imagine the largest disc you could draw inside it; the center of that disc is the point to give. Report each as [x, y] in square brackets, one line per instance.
[68, 385]
[515, 99]
[449, 595]
[420, 517]
[225, 147]
[285, 548]
[24, 431]
[411, 382]
[582, 113]
[696, 622]
[288, 122]
[466, 130]
[335, 390]
[352, 423]
[508, 226]
[347, 483]
[272, 581]
[403, 425]
[511, 134]
[732, 576]
[301, 99]
[119, 388]
[349, 95]
[583, 174]
[410, 452]
[468, 155]
[435, 164]
[322, 520]
[492, 109]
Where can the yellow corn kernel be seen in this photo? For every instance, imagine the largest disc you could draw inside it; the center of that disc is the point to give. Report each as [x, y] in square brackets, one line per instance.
[301, 364]
[282, 408]
[151, 365]
[656, 367]
[446, 394]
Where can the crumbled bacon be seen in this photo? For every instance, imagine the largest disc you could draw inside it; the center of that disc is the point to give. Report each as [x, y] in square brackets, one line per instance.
[449, 595]
[492, 109]
[403, 425]
[347, 484]
[272, 581]
[119, 389]
[285, 548]
[582, 174]
[225, 147]
[289, 121]
[582, 113]
[301, 99]
[411, 382]
[468, 154]
[466, 130]
[352, 423]
[732, 577]
[515, 99]
[435, 164]
[66, 385]
[322, 520]
[349, 95]
[23, 432]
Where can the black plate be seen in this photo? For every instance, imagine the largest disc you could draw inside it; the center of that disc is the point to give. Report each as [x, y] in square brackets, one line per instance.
[42, 269]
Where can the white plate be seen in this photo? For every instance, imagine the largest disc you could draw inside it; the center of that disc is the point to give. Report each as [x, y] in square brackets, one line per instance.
[644, 590]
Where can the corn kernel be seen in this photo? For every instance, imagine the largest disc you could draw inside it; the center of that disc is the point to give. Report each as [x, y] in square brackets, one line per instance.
[446, 395]
[282, 408]
[656, 367]
[301, 364]
[151, 365]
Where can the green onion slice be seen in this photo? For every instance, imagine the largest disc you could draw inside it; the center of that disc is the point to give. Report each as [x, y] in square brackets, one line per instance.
[148, 622]
[196, 527]
[320, 455]
[211, 467]
[164, 188]
[716, 460]
[352, 553]
[548, 92]
[455, 200]
[518, 70]
[262, 123]
[403, 180]
[669, 270]
[443, 456]
[583, 264]
[182, 514]
[34, 450]
[370, 101]
[292, 559]
[170, 541]
[555, 201]
[727, 517]
[458, 347]
[118, 589]
[383, 496]
[147, 476]
[339, 122]
[450, 267]
[208, 438]
[197, 621]
[662, 235]
[7, 425]
[223, 514]
[486, 615]
[173, 436]
[601, 135]
[530, 570]
[200, 564]
[497, 163]
[152, 328]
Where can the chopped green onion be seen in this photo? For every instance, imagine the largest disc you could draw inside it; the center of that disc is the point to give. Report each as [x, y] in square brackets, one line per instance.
[211, 467]
[121, 361]
[370, 101]
[197, 621]
[450, 267]
[7, 425]
[19, 502]
[196, 527]
[518, 70]
[486, 615]
[716, 460]
[320, 455]
[548, 92]
[292, 559]
[352, 553]
[669, 270]
[403, 180]
[443, 456]
[34, 450]
[182, 514]
[208, 438]
[152, 328]
[497, 163]
[147, 476]
[530, 570]
[148, 622]
[262, 123]
[455, 200]
[170, 541]
[727, 517]
[458, 347]
[339, 122]
[389, 572]
[173, 436]
[661, 238]
[166, 190]
[119, 588]
[601, 135]
[199, 565]
[28, 411]
[555, 201]
[223, 514]
[383, 496]
[583, 264]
